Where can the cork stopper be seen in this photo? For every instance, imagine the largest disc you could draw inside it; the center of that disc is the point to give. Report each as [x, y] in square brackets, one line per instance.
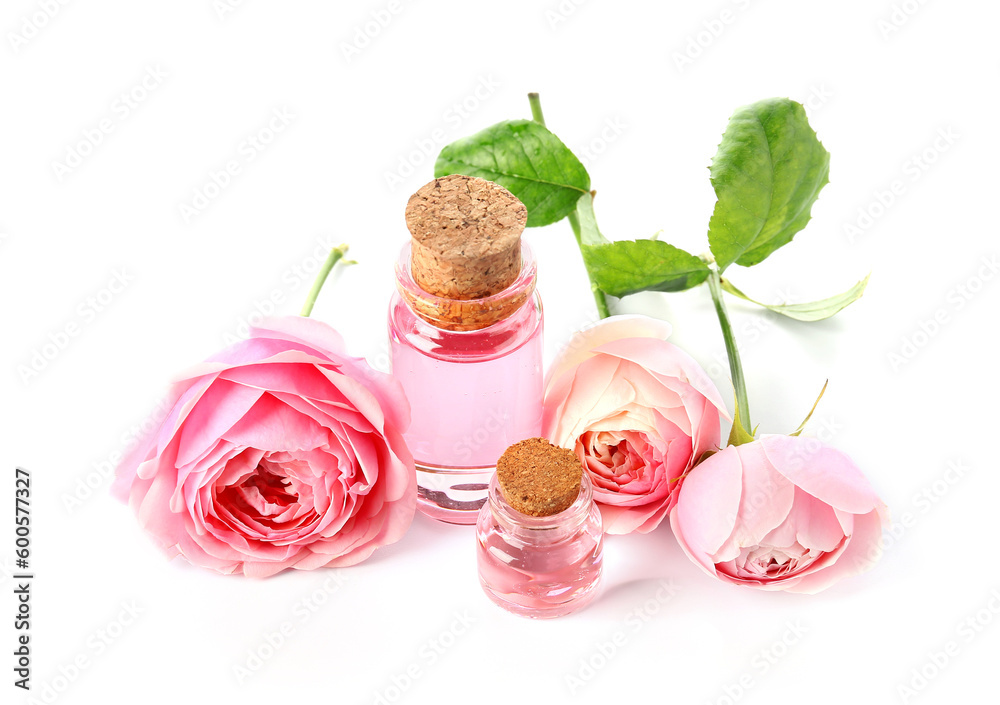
[466, 245]
[538, 478]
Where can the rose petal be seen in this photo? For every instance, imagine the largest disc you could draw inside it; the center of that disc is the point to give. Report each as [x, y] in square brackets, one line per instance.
[822, 471]
[766, 498]
[581, 344]
[669, 363]
[863, 548]
[709, 501]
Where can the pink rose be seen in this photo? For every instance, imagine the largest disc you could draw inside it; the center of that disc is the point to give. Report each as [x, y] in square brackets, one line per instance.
[780, 513]
[279, 452]
[637, 410]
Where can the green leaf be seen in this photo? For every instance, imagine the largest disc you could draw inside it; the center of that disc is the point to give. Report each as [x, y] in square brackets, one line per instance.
[590, 234]
[527, 160]
[630, 266]
[767, 174]
[812, 311]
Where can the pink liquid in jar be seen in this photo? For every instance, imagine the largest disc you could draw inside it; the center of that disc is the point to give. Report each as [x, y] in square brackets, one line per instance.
[540, 566]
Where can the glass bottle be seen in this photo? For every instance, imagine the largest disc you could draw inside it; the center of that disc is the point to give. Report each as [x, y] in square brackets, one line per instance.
[472, 392]
[540, 566]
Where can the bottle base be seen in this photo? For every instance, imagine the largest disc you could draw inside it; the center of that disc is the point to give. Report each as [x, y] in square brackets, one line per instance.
[525, 606]
[452, 495]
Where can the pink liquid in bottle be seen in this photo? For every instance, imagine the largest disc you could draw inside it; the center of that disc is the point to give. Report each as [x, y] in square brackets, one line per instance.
[472, 393]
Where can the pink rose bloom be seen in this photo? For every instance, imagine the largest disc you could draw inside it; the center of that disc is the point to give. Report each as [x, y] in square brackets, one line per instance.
[780, 513]
[279, 452]
[637, 410]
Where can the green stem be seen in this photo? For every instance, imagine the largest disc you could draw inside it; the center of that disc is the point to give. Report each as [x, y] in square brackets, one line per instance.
[599, 298]
[335, 256]
[536, 108]
[574, 220]
[735, 365]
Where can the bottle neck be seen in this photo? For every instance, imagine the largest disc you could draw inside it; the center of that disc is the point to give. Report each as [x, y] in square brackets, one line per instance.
[466, 314]
[544, 529]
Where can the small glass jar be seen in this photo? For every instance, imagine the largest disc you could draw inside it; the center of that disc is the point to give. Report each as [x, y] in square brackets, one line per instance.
[544, 566]
[473, 389]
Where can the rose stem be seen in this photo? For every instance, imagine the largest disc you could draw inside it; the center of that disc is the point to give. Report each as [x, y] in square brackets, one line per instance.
[335, 255]
[574, 220]
[735, 365]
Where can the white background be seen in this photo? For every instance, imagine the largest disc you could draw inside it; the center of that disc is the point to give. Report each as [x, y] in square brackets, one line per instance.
[877, 98]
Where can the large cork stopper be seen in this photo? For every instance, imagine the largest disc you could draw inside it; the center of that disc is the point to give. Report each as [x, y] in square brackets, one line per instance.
[538, 478]
[466, 245]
